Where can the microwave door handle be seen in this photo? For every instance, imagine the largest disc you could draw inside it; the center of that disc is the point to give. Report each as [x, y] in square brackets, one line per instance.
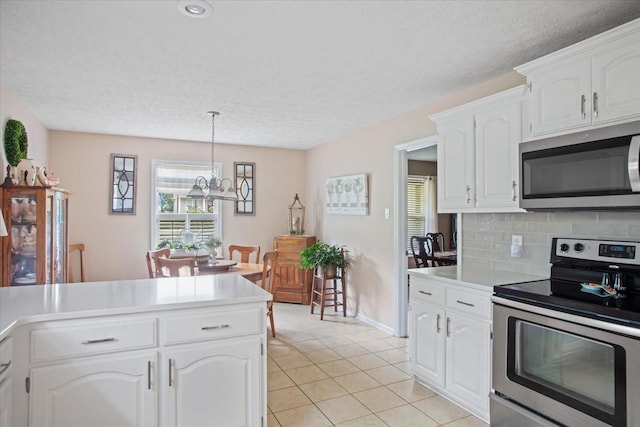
[634, 164]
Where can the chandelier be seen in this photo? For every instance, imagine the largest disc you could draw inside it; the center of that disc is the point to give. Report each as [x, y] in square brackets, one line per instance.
[215, 187]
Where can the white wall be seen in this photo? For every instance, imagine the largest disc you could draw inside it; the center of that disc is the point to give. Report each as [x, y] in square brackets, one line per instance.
[37, 133]
[116, 244]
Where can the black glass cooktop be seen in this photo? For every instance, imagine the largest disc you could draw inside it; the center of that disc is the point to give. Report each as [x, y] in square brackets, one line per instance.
[569, 297]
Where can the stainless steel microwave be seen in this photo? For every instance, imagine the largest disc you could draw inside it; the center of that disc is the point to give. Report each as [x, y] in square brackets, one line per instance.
[598, 169]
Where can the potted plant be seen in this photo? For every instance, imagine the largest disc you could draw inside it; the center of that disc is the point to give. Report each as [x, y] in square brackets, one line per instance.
[322, 255]
[212, 244]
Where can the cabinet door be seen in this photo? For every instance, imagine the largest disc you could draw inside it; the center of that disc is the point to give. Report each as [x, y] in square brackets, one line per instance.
[6, 397]
[468, 363]
[560, 98]
[456, 165]
[498, 133]
[616, 83]
[100, 392]
[427, 342]
[217, 384]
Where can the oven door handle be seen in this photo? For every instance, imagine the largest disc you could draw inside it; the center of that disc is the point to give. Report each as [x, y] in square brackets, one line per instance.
[634, 164]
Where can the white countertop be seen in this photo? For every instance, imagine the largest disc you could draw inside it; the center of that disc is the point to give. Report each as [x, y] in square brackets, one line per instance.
[483, 279]
[24, 304]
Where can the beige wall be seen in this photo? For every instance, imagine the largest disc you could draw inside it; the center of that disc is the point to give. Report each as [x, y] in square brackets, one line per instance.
[116, 244]
[370, 238]
[37, 133]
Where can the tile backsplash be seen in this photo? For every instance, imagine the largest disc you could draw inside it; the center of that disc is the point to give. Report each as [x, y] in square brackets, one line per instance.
[486, 238]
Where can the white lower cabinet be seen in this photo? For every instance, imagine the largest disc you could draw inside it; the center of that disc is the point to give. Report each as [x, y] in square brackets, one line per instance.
[180, 368]
[213, 385]
[98, 392]
[6, 383]
[450, 342]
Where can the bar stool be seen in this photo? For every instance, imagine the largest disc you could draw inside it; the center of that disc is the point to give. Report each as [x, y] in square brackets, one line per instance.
[329, 293]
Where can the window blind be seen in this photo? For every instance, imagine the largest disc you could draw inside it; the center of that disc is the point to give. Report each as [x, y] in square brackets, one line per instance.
[415, 208]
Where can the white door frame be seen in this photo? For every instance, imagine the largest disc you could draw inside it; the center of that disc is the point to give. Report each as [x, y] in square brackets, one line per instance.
[400, 232]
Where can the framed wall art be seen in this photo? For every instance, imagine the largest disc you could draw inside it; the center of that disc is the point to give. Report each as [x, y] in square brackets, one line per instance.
[347, 195]
[245, 188]
[123, 184]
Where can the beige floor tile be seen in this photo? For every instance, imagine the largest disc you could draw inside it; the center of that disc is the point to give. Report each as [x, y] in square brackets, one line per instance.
[379, 399]
[350, 350]
[393, 356]
[310, 345]
[406, 416]
[322, 390]
[368, 421]
[388, 374]
[396, 342]
[356, 382]
[404, 367]
[376, 345]
[277, 380]
[440, 409]
[286, 398]
[304, 416]
[343, 408]
[334, 341]
[272, 421]
[470, 421]
[306, 374]
[272, 366]
[410, 390]
[321, 356]
[276, 351]
[338, 368]
[367, 361]
[359, 337]
[295, 360]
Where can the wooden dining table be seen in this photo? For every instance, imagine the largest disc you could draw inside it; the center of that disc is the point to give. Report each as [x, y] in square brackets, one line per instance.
[446, 257]
[248, 270]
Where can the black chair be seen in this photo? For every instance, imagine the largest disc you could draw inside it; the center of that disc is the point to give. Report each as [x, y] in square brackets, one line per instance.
[419, 250]
[437, 241]
[436, 244]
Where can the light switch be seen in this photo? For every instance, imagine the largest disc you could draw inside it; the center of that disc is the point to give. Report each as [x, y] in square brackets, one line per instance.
[516, 246]
[386, 213]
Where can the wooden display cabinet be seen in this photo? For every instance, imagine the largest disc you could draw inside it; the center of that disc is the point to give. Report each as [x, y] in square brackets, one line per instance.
[36, 248]
[293, 284]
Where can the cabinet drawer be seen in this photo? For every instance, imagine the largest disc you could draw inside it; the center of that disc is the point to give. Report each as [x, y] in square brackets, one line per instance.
[210, 325]
[476, 304]
[426, 291]
[92, 338]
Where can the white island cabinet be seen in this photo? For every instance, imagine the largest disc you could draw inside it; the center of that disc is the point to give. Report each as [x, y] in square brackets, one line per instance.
[166, 352]
[450, 332]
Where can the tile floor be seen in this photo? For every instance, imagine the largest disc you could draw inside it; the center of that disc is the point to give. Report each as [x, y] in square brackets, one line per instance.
[342, 372]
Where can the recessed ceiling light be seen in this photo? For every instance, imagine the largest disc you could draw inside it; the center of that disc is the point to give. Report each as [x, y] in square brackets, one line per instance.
[195, 8]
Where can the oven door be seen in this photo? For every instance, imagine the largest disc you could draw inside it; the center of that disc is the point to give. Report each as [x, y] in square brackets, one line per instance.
[569, 369]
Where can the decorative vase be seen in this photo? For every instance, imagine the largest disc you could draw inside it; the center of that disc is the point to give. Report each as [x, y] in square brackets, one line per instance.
[27, 172]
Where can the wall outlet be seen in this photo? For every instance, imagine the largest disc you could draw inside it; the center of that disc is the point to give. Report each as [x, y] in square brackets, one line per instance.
[386, 213]
[516, 246]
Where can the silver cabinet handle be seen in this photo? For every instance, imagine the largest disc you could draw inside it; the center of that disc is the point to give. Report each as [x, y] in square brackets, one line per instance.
[223, 326]
[424, 292]
[101, 340]
[513, 189]
[149, 374]
[595, 104]
[438, 324]
[170, 373]
[448, 326]
[4, 367]
[583, 100]
[468, 194]
[465, 303]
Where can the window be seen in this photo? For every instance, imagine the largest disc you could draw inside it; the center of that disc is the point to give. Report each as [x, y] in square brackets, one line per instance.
[173, 212]
[415, 208]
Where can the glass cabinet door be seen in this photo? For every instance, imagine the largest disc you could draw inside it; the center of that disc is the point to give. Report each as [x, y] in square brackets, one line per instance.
[24, 238]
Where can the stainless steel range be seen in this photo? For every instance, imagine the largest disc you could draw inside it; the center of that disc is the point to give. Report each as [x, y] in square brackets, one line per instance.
[566, 351]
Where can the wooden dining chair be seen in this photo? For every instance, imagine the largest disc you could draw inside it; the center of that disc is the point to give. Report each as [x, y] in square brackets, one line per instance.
[79, 247]
[174, 266]
[245, 252]
[151, 257]
[269, 274]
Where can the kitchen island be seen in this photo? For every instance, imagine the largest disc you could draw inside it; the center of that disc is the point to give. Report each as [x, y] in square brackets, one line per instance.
[151, 352]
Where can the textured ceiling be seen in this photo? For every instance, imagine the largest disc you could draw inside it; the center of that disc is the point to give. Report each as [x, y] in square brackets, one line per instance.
[282, 73]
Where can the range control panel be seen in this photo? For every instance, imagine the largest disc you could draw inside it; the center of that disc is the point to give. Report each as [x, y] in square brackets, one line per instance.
[598, 250]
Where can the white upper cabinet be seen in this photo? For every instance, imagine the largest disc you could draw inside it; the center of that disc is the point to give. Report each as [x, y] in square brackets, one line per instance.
[478, 154]
[591, 84]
